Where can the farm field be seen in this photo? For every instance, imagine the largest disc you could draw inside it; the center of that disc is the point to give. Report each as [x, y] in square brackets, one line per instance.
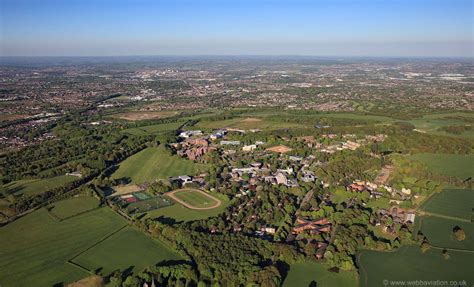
[155, 163]
[128, 249]
[72, 206]
[195, 198]
[144, 115]
[432, 123]
[36, 186]
[457, 203]
[303, 273]
[409, 263]
[439, 232]
[154, 129]
[35, 248]
[461, 166]
[180, 213]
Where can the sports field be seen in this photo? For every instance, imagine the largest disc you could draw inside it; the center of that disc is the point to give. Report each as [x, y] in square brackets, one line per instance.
[155, 163]
[35, 248]
[408, 264]
[303, 273]
[72, 206]
[194, 199]
[461, 166]
[457, 203]
[129, 248]
[36, 186]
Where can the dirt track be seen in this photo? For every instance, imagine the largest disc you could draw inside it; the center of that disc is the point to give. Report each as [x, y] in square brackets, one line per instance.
[171, 194]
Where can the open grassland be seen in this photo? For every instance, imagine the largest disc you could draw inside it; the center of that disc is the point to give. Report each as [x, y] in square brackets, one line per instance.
[72, 206]
[35, 248]
[439, 232]
[155, 163]
[144, 115]
[129, 249]
[456, 203]
[303, 273]
[409, 263]
[154, 129]
[196, 198]
[432, 123]
[179, 213]
[461, 166]
[37, 186]
[246, 123]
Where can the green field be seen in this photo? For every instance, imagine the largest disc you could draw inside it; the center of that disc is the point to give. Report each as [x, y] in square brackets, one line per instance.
[35, 248]
[181, 213]
[195, 198]
[439, 232]
[457, 203]
[432, 123]
[36, 186]
[127, 249]
[409, 263]
[154, 129]
[461, 166]
[247, 123]
[155, 163]
[72, 206]
[303, 273]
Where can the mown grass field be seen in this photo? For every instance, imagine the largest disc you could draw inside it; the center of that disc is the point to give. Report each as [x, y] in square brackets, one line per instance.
[439, 232]
[303, 273]
[155, 163]
[195, 198]
[461, 166]
[432, 123]
[129, 249]
[37, 186]
[180, 213]
[247, 123]
[144, 115]
[72, 206]
[154, 129]
[35, 248]
[409, 263]
[452, 203]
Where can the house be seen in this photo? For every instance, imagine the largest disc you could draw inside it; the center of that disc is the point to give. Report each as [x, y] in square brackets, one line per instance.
[295, 158]
[249, 147]
[321, 225]
[230, 142]
[281, 178]
[187, 134]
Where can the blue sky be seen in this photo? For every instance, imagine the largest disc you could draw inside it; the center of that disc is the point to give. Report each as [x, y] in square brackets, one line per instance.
[231, 27]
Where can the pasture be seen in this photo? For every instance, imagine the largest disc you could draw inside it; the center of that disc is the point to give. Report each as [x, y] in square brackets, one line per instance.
[246, 123]
[37, 186]
[439, 232]
[35, 248]
[155, 163]
[455, 203]
[461, 166]
[154, 129]
[144, 115]
[303, 273]
[128, 249]
[409, 263]
[433, 122]
[195, 198]
[72, 206]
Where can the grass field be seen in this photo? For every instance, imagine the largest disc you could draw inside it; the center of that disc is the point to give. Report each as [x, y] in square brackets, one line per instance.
[431, 123]
[154, 129]
[409, 263]
[144, 115]
[461, 166]
[195, 198]
[35, 248]
[180, 213]
[303, 273]
[127, 249]
[456, 203]
[247, 123]
[36, 186]
[155, 163]
[439, 232]
[72, 206]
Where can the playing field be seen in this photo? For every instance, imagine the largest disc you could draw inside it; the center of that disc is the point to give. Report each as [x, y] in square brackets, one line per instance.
[35, 248]
[36, 186]
[196, 198]
[457, 203]
[72, 206]
[155, 163]
[461, 166]
[409, 263]
[439, 232]
[127, 249]
[154, 129]
[303, 273]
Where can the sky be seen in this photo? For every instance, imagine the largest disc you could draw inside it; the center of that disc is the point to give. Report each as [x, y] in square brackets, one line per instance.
[382, 28]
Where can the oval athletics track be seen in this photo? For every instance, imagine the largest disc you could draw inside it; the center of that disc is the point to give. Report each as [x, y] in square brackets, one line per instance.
[175, 198]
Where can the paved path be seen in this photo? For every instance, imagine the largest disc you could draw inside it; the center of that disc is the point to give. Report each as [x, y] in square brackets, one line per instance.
[175, 198]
